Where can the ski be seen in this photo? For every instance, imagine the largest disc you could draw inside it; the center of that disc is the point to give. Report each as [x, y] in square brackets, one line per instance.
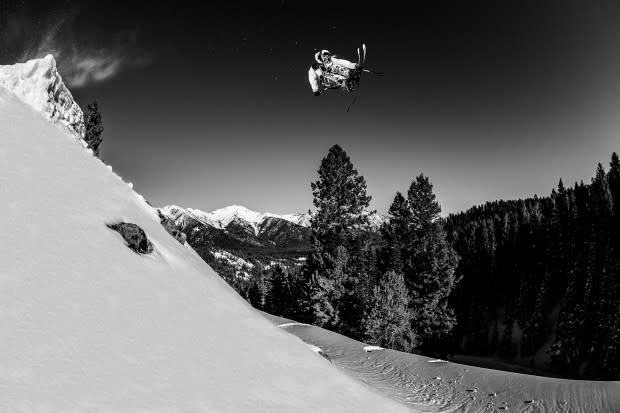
[360, 63]
[364, 48]
[372, 72]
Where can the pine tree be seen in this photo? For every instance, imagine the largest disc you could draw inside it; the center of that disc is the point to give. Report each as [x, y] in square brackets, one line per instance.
[558, 237]
[340, 199]
[396, 234]
[258, 291]
[602, 196]
[428, 260]
[279, 293]
[431, 274]
[94, 127]
[316, 301]
[535, 331]
[343, 297]
[614, 182]
[613, 179]
[387, 321]
[296, 284]
[507, 347]
[424, 207]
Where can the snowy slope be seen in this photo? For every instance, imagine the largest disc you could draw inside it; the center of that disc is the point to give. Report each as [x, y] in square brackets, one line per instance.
[432, 385]
[88, 325]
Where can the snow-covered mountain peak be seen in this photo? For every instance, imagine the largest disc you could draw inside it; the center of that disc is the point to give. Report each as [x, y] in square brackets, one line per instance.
[220, 218]
[299, 219]
[38, 83]
[227, 214]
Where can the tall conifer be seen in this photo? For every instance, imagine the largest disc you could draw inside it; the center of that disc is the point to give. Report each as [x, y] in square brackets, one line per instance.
[94, 127]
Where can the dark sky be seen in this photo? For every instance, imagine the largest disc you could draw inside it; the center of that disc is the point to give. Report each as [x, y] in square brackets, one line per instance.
[208, 105]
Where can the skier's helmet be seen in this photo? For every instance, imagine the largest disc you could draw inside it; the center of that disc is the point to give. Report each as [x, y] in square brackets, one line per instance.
[322, 56]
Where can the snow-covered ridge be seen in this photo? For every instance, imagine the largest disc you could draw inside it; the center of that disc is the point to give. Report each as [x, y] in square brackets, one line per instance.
[224, 216]
[220, 218]
[38, 83]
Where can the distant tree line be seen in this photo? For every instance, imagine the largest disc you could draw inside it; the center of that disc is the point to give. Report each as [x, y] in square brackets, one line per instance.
[541, 277]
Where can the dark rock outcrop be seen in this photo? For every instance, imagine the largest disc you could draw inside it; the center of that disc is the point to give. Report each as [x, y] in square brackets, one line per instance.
[168, 224]
[134, 236]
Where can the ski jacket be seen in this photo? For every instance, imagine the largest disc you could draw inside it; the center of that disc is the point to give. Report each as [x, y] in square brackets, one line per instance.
[333, 73]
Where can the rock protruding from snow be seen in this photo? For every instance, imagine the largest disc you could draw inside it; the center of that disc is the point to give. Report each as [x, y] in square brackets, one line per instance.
[134, 236]
[38, 83]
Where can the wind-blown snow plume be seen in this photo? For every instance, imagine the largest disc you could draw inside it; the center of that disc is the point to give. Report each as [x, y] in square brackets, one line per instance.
[93, 69]
[82, 60]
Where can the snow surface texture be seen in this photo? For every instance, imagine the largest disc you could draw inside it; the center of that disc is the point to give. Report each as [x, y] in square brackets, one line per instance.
[38, 83]
[432, 385]
[86, 324]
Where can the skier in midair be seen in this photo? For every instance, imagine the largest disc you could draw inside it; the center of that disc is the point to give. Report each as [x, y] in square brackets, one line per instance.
[330, 72]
